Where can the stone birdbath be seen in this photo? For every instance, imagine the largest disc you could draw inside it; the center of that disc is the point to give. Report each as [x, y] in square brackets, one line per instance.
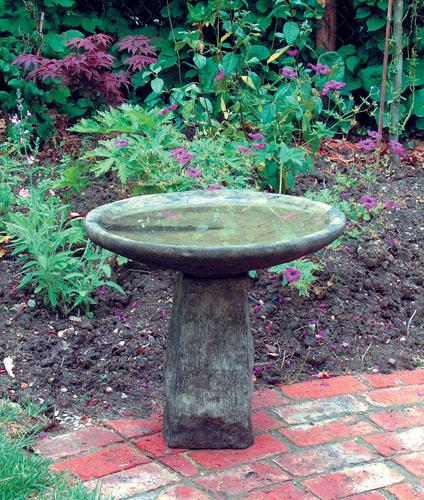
[213, 238]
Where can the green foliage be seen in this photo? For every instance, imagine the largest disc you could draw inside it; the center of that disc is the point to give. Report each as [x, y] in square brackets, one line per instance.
[306, 267]
[24, 475]
[56, 261]
[144, 153]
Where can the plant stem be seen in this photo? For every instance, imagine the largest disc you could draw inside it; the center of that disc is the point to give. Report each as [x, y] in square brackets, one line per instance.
[384, 77]
[397, 79]
[175, 42]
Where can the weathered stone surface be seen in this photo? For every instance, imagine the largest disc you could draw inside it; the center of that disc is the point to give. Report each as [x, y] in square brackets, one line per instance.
[209, 363]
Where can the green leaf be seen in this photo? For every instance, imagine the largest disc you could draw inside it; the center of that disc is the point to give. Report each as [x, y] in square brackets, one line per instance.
[259, 51]
[352, 62]
[362, 12]
[157, 85]
[375, 23]
[291, 31]
[199, 61]
[229, 63]
[418, 108]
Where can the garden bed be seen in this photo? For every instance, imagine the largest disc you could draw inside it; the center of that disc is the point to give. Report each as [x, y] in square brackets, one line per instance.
[364, 313]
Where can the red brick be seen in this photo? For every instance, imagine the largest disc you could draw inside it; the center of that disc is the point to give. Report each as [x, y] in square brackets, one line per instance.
[352, 481]
[324, 458]
[406, 491]
[155, 446]
[180, 464]
[414, 463]
[76, 442]
[315, 389]
[327, 431]
[242, 480]
[393, 420]
[136, 428]
[182, 491]
[320, 409]
[391, 443]
[267, 398]
[263, 422]
[395, 379]
[263, 446]
[407, 395]
[139, 479]
[284, 492]
[103, 462]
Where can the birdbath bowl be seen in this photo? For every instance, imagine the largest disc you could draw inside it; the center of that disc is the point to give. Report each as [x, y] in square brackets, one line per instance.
[213, 238]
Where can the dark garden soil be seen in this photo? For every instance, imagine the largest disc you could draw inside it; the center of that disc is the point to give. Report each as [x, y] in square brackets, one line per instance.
[364, 313]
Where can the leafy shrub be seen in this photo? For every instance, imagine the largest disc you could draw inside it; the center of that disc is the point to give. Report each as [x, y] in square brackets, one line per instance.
[152, 152]
[90, 72]
[57, 262]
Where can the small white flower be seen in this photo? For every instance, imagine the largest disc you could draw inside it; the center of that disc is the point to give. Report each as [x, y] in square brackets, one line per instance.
[24, 193]
[31, 160]
[15, 120]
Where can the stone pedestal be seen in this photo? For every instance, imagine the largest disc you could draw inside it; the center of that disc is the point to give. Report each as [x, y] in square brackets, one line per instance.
[209, 361]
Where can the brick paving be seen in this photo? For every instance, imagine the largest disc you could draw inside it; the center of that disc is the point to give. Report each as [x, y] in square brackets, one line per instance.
[356, 437]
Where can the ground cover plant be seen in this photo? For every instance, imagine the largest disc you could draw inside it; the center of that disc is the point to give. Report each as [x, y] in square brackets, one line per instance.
[239, 97]
[28, 476]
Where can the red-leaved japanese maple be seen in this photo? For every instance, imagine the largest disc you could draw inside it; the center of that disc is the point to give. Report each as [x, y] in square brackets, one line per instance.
[93, 69]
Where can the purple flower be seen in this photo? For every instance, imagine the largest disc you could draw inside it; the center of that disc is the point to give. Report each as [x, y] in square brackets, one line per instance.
[289, 72]
[220, 75]
[368, 202]
[344, 195]
[390, 205]
[367, 145]
[320, 335]
[243, 149]
[292, 274]
[193, 172]
[214, 187]
[292, 52]
[256, 136]
[332, 85]
[320, 69]
[121, 143]
[397, 148]
[167, 109]
[375, 135]
[259, 145]
[181, 155]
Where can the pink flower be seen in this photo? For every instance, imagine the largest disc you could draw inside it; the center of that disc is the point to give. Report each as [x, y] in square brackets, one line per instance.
[292, 274]
[289, 72]
[375, 135]
[24, 193]
[121, 143]
[214, 187]
[332, 85]
[255, 136]
[15, 120]
[220, 75]
[167, 109]
[181, 155]
[367, 145]
[243, 149]
[193, 172]
[320, 69]
[292, 52]
[397, 149]
[259, 145]
[31, 160]
[368, 202]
